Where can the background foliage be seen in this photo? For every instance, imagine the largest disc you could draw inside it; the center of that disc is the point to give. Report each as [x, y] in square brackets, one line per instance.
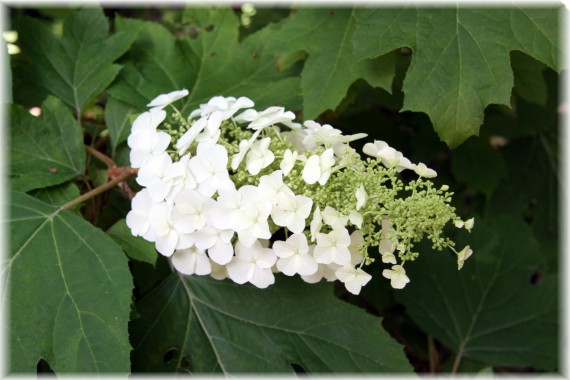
[471, 92]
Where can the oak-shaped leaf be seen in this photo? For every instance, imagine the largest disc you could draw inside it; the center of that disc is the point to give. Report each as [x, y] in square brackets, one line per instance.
[213, 62]
[46, 150]
[499, 308]
[461, 56]
[68, 288]
[76, 66]
[200, 324]
[331, 67]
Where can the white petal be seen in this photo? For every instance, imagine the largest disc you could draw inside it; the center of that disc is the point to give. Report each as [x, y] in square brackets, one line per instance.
[361, 197]
[240, 271]
[221, 252]
[262, 278]
[312, 170]
[167, 243]
[355, 218]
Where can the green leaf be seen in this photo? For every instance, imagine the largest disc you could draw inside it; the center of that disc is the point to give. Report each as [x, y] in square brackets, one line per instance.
[528, 78]
[326, 35]
[492, 310]
[531, 188]
[136, 248]
[213, 63]
[46, 150]
[117, 121]
[203, 325]
[460, 58]
[69, 292]
[79, 65]
[532, 197]
[479, 165]
[58, 195]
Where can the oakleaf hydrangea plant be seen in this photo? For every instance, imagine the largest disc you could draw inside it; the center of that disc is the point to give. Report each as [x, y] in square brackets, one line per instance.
[233, 192]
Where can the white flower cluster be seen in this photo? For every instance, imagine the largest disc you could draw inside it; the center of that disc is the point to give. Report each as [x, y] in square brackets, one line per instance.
[192, 210]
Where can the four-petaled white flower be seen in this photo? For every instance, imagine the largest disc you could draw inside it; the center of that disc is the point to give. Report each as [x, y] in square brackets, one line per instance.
[145, 121]
[328, 136]
[259, 156]
[469, 224]
[209, 169]
[138, 219]
[163, 100]
[251, 221]
[463, 255]
[334, 218]
[291, 212]
[157, 177]
[423, 171]
[269, 117]
[168, 238]
[272, 185]
[252, 264]
[288, 162]
[353, 278]
[294, 257]
[397, 276]
[333, 247]
[355, 218]
[146, 145]
[319, 168]
[191, 211]
[191, 261]
[225, 107]
[389, 156]
[387, 248]
[207, 127]
[217, 242]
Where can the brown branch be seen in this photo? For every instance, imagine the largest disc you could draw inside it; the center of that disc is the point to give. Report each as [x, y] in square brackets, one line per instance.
[102, 157]
[125, 173]
[433, 355]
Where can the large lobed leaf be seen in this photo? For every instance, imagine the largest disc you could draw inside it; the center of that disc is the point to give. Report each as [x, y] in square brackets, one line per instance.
[331, 67]
[496, 309]
[79, 65]
[461, 57]
[214, 63]
[203, 325]
[69, 292]
[46, 150]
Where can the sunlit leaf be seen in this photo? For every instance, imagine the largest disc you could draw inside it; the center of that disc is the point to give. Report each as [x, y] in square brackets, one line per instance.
[69, 292]
[46, 150]
[331, 67]
[461, 57]
[213, 63]
[204, 325]
[77, 66]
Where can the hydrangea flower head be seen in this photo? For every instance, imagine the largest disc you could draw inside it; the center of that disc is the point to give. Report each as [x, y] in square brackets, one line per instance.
[241, 194]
